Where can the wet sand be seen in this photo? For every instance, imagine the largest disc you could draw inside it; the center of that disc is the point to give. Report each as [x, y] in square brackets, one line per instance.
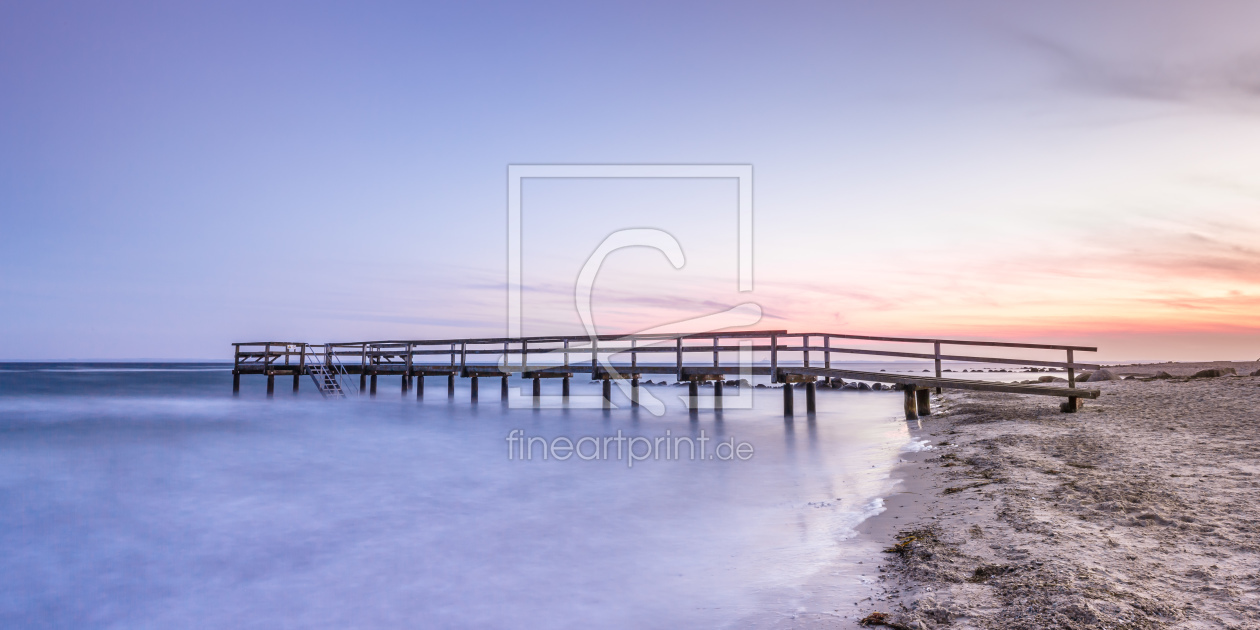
[1140, 511]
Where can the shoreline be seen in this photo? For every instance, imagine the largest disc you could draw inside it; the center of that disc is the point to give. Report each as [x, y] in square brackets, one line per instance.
[1140, 511]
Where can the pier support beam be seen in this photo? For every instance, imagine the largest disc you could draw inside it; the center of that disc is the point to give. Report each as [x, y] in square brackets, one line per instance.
[788, 401]
[1072, 405]
[297, 378]
[634, 393]
[693, 395]
[236, 383]
[450, 386]
[362, 383]
[911, 400]
[271, 385]
[811, 391]
[537, 389]
[473, 384]
[923, 397]
[564, 388]
[607, 393]
[372, 391]
[503, 389]
[419, 387]
[717, 395]
[406, 382]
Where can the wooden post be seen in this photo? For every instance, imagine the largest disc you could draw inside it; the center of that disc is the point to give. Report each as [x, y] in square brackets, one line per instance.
[607, 393]
[566, 353]
[419, 386]
[811, 390]
[271, 385]
[450, 385]
[805, 352]
[473, 384]
[301, 368]
[911, 402]
[788, 401]
[363, 382]
[923, 396]
[503, 389]
[634, 355]
[634, 391]
[236, 383]
[297, 378]
[406, 377]
[1073, 403]
[373, 392]
[693, 394]
[463, 359]
[827, 354]
[537, 389]
[410, 364]
[774, 359]
[594, 357]
[937, 349]
[524, 354]
[678, 375]
[715, 352]
[717, 395]
[267, 359]
[564, 389]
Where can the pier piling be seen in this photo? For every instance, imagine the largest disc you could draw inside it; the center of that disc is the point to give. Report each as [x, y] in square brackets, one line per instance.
[297, 378]
[419, 386]
[607, 393]
[472, 383]
[450, 385]
[811, 390]
[788, 401]
[271, 385]
[634, 392]
[693, 394]
[911, 402]
[717, 395]
[503, 389]
[236, 383]
[564, 388]
[924, 400]
[372, 392]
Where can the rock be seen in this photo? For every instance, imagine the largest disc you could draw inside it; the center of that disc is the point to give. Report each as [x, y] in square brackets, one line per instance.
[1050, 379]
[1163, 374]
[864, 387]
[877, 386]
[851, 385]
[1214, 372]
[1102, 375]
[1256, 373]
[743, 382]
[837, 383]
[761, 385]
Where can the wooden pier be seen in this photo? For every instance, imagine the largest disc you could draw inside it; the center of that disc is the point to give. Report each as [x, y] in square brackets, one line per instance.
[794, 359]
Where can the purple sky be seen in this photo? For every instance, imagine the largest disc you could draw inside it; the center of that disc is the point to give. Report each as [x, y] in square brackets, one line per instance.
[178, 176]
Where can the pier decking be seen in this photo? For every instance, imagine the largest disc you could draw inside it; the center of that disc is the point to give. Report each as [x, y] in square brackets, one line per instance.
[794, 358]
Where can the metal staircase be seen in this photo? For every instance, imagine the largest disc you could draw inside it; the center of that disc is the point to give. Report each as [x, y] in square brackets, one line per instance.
[327, 372]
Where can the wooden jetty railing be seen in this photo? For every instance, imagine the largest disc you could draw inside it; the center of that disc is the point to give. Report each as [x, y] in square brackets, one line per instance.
[793, 359]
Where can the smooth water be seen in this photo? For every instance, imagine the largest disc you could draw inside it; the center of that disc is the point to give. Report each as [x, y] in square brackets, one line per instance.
[146, 496]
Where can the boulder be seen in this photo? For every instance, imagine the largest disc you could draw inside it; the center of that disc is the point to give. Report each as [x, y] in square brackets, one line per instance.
[864, 387]
[1101, 375]
[1050, 379]
[877, 387]
[1214, 372]
[1256, 373]
[743, 382]
[1163, 374]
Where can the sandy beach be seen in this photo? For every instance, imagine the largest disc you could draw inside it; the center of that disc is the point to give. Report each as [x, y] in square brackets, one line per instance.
[1141, 511]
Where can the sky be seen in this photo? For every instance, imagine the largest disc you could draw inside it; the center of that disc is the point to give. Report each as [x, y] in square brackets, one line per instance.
[178, 176]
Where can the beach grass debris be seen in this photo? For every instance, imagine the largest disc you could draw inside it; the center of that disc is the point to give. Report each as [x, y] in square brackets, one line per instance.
[881, 619]
[958, 489]
[984, 572]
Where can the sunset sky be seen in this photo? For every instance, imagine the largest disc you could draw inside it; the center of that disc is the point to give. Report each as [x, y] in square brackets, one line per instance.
[178, 176]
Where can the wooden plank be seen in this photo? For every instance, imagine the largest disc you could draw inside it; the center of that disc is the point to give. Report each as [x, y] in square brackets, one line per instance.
[947, 383]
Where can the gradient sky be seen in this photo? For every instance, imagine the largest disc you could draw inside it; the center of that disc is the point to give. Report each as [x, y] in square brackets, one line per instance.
[178, 176]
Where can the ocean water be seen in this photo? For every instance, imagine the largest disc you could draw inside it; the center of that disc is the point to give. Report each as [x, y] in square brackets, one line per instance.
[146, 496]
